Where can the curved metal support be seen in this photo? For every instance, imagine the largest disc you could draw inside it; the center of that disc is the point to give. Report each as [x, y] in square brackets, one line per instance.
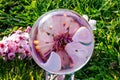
[50, 76]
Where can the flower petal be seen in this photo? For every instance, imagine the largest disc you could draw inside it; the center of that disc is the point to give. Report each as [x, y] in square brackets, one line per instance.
[73, 27]
[78, 52]
[77, 49]
[11, 56]
[65, 59]
[53, 63]
[66, 22]
[82, 35]
[45, 37]
[53, 25]
[92, 24]
[45, 42]
[47, 26]
[46, 47]
[58, 25]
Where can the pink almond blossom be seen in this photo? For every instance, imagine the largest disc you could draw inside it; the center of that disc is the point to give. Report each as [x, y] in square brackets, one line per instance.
[62, 42]
[16, 43]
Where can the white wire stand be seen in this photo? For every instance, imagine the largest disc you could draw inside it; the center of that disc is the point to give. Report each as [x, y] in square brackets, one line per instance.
[50, 76]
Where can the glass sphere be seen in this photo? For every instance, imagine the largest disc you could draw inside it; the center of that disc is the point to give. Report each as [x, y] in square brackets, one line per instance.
[62, 41]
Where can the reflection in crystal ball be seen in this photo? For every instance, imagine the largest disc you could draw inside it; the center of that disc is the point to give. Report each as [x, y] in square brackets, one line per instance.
[62, 41]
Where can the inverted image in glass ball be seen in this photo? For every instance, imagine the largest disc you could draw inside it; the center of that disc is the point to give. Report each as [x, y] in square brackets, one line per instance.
[62, 41]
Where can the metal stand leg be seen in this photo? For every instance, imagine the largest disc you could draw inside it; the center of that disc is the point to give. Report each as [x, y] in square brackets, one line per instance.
[50, 76]
[72, 76]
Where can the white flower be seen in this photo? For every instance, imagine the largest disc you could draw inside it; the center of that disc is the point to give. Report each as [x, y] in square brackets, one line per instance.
[91, 22]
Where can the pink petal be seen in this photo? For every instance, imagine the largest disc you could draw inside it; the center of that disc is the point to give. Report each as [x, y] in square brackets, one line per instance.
[58, 26]
[73, 27]
[44, 37]
[2, 47]
[45, 42]
[47, 26]
[78, 52]
[26, 47]
[53, 63]
[12, 46]
[82, 35]
[46, 47]
[28, 29]
[77, 49]
[65, 59]
[53, 25]
[65, 23]
[11, 56]
[20, 49]
[26, 35]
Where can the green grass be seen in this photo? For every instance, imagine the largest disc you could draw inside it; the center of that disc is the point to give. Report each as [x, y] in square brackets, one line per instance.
[105, 61]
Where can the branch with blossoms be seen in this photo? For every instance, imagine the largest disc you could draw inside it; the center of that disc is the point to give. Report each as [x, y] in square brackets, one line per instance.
[17, 43]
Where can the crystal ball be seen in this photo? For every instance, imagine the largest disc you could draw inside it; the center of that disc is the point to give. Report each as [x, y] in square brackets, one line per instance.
[62, 41]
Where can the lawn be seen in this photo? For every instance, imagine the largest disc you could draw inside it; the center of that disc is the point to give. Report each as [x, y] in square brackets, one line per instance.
[105, 61]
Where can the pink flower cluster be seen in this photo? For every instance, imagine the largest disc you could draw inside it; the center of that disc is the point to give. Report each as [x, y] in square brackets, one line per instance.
[16, 44]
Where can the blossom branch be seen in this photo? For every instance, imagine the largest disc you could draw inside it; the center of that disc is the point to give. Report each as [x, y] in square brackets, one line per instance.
[17, 43]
